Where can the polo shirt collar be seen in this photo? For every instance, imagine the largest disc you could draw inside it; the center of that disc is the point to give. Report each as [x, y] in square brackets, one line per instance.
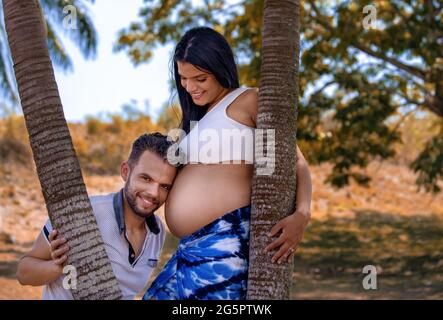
[151, 221]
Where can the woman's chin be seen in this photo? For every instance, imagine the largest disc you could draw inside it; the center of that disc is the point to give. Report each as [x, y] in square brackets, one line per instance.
[199, 103]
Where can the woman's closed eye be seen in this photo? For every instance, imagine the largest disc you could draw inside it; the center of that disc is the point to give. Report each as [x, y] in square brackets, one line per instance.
[182, 79]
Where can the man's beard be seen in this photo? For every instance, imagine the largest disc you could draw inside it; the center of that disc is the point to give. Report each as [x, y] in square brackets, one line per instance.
[131, 200]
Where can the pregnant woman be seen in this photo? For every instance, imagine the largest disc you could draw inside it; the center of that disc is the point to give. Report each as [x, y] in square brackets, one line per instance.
[208, 206]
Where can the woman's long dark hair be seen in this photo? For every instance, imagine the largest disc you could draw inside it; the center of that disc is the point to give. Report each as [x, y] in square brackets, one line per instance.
[208, 50]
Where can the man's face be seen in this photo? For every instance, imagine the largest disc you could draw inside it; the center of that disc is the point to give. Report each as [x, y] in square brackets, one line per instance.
[148, 183]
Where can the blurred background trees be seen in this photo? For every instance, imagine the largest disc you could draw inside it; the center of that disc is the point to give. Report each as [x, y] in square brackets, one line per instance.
[356, 105]
[366, 94]
[358, 85]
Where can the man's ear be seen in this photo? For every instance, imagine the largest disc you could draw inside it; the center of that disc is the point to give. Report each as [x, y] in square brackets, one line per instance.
[125, 170]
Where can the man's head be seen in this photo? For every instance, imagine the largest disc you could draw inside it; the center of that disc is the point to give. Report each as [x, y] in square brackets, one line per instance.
[147, 174]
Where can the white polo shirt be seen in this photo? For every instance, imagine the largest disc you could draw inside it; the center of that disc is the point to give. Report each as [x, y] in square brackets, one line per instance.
[132, 272]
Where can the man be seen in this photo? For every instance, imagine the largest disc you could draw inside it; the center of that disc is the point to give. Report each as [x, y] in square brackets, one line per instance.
[132, 234]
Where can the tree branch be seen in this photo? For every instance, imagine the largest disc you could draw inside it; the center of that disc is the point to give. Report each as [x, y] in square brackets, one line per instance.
[412, 101]
[318, 16]
[435, 103]
[410, 78]
[224, 9]
[432, 103]
[411, 69]
[431, 10]
[322, 88]
[434, 107]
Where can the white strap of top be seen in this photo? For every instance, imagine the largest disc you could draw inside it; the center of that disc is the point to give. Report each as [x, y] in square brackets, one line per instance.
[231, 97]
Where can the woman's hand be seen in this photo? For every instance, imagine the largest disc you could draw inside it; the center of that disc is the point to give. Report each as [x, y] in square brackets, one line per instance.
[290, 231]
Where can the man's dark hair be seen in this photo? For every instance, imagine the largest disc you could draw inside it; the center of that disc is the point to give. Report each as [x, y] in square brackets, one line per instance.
[154, 142]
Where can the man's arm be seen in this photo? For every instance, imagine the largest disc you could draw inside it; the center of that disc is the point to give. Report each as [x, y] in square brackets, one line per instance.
[44, 263]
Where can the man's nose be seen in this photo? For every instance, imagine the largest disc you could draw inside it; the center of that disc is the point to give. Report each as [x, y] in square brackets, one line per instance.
[153, 190]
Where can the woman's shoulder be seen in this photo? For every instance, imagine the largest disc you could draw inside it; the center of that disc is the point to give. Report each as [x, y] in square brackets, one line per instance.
[249, 95]
[247, 103]
[248, 99]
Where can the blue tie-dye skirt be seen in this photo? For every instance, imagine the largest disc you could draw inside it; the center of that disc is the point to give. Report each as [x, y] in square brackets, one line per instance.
[210, 264]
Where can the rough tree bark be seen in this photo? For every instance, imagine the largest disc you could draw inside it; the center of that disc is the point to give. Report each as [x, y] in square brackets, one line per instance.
[57, 166]
[273, 196]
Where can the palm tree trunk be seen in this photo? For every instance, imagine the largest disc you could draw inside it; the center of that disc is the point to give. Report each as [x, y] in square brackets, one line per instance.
[58, 169]
[273, 196]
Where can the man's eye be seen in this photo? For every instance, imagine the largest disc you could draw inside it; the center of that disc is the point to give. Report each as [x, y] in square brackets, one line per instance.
[167, 188]
[146, 178]
[201, 80]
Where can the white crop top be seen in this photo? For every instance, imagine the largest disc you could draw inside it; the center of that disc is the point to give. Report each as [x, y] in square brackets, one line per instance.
[218, 138]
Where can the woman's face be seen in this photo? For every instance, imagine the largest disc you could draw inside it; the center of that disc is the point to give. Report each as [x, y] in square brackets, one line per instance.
[201, 85]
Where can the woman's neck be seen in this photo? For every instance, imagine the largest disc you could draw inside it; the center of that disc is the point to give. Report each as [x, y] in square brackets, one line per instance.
[222, 94]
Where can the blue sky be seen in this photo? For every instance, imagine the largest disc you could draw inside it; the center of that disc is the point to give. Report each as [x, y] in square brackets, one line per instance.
[110, 80]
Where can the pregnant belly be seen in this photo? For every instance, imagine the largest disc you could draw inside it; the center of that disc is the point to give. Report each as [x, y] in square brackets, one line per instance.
[203, 193]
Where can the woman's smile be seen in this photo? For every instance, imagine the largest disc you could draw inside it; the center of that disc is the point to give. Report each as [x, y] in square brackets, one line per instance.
[197, 95]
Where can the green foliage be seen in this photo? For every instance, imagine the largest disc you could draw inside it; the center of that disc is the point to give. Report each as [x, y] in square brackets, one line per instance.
[416, 130]
[354, 81]
[429, 164]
